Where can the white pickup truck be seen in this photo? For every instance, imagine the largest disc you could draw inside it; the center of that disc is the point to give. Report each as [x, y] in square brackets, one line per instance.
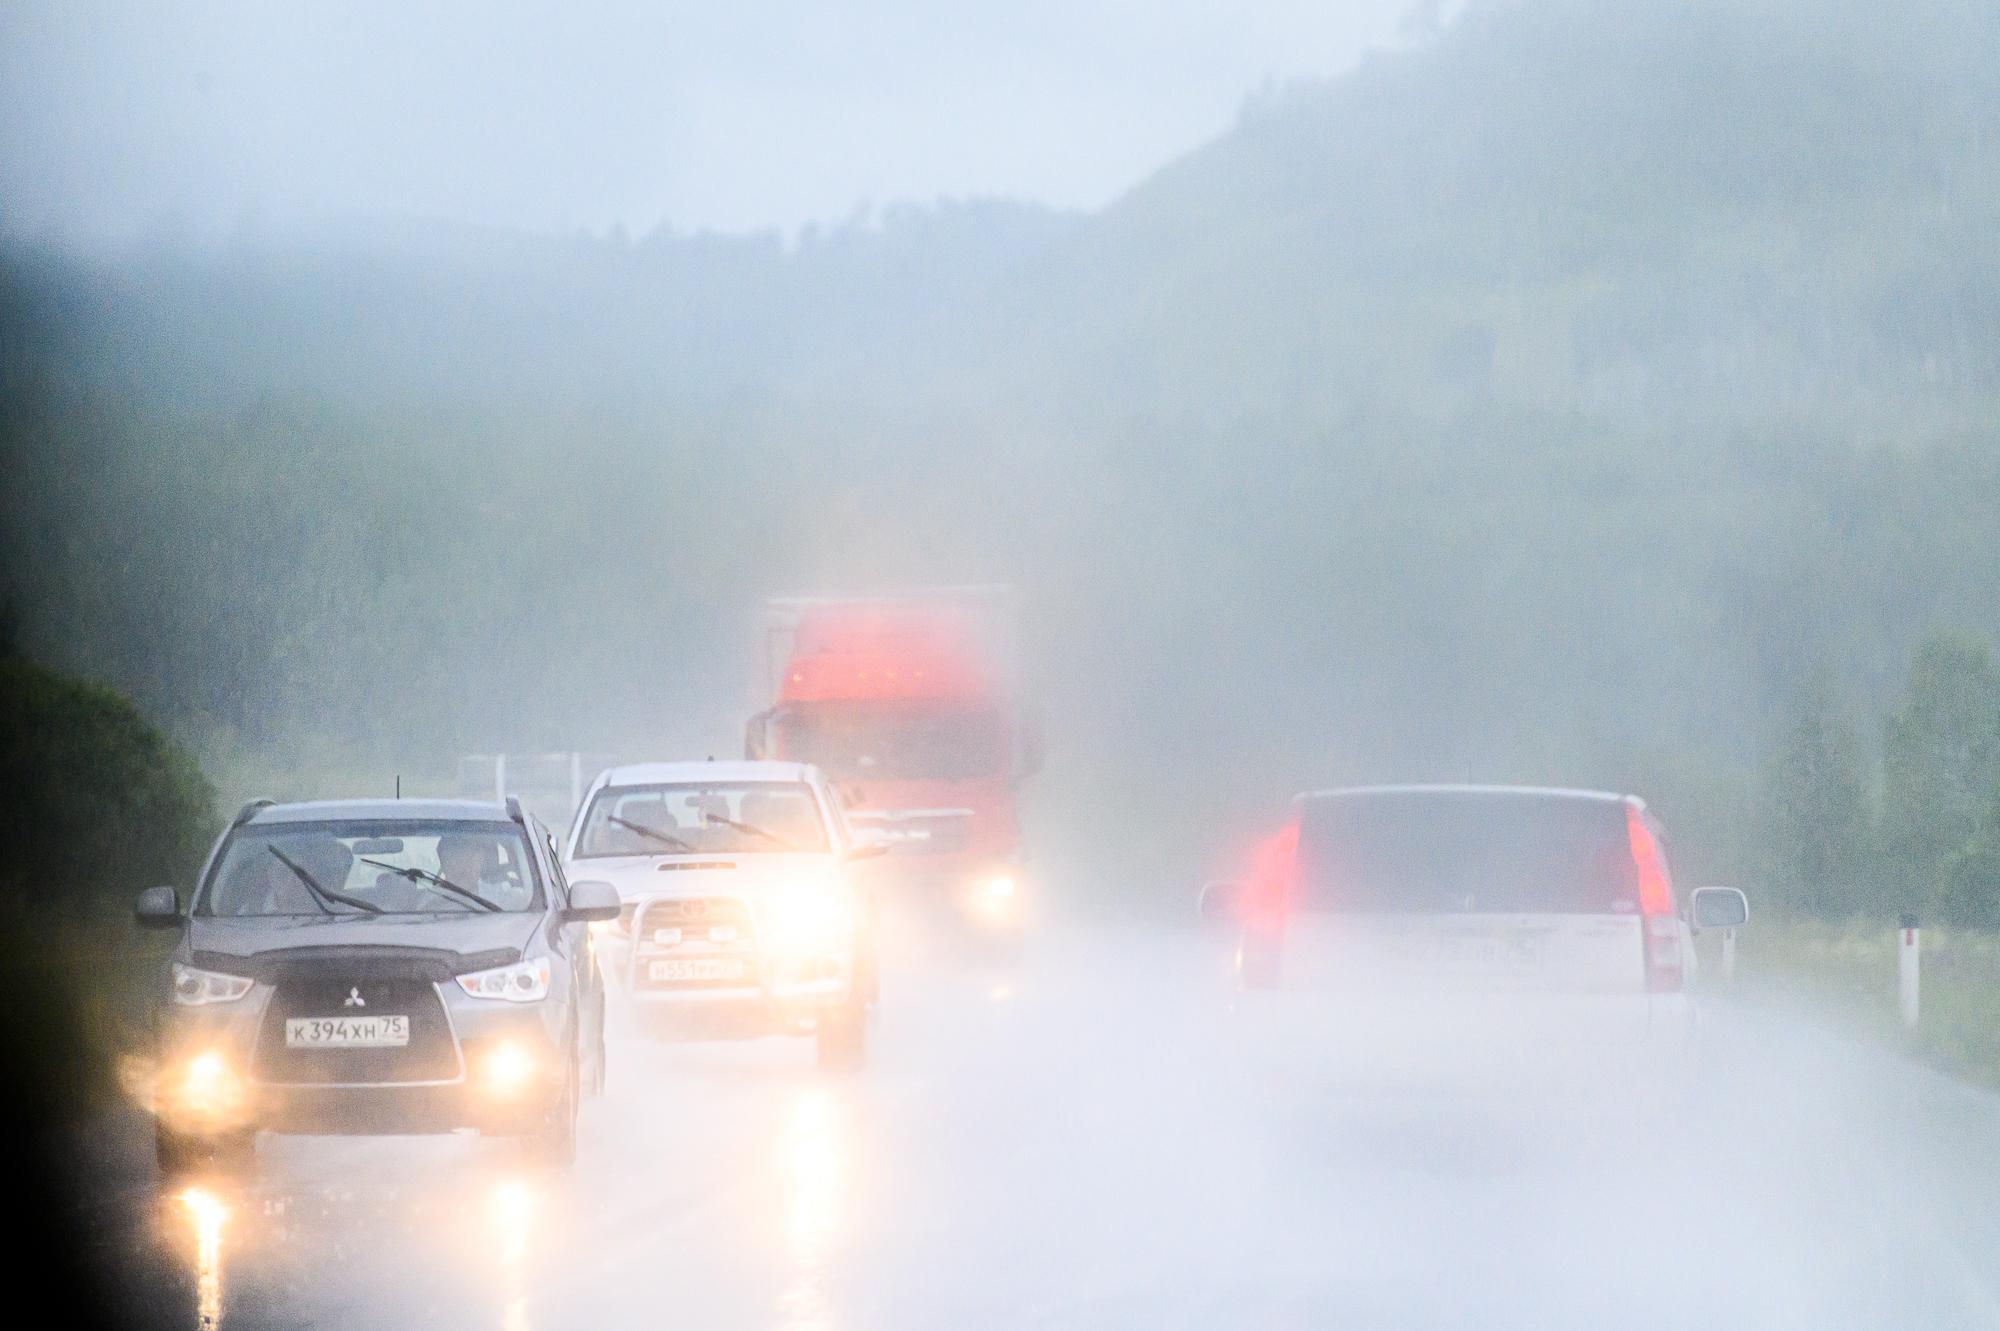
[742, 913]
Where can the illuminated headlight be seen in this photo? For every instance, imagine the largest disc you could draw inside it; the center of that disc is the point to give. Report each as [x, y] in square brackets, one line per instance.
[206, 1074]
[522, 982]
[1000, 887]
[196, 988]
[205, 1087]
[814, 916]
[506, 1068]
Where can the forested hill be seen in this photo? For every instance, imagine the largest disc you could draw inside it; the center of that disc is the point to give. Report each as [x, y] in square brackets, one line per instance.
[1586, 394]
[1723, 207]
[408, 312]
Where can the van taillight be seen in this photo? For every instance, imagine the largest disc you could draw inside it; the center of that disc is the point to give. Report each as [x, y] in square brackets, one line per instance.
[1271, 879]
[1659, 925]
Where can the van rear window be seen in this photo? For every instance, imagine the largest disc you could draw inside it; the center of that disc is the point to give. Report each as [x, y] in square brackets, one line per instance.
[1437, 852]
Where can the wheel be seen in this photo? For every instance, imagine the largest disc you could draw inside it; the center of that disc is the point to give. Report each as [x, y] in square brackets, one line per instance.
[1257, 963]
[179, 1153]
[555, 1142]
[841, 1037]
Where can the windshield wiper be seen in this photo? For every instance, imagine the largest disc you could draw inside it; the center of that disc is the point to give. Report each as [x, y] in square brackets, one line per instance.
[322, 895]
[664, 838]
[751, 828]
[429, 879]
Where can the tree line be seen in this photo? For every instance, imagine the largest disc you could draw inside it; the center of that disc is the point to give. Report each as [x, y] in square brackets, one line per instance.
[1908, 823]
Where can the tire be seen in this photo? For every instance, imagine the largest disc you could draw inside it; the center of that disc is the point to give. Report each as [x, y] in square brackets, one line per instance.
[179, 1154]
[1257, 963]
[841, 1039]
[554, 1143]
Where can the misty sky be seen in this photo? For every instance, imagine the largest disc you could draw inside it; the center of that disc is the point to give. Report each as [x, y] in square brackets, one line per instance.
[729, 114]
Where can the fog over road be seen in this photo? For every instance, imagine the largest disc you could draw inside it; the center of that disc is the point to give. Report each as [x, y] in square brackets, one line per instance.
[1109, 1138]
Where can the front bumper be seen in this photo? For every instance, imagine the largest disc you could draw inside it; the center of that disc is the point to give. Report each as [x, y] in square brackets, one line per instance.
[507, 1071]
[711, 957]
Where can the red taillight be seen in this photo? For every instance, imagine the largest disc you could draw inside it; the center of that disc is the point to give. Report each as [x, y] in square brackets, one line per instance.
[1271, 879]
[1659, 924]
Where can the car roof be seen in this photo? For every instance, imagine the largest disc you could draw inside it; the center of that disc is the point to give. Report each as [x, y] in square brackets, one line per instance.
[656, 774]
[318, 811]
[1531, 792]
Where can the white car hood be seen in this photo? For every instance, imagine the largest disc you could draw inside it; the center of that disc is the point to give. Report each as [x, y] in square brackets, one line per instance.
[749, 875]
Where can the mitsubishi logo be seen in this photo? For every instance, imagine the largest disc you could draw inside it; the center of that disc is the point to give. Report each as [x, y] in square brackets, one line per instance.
[354, 998]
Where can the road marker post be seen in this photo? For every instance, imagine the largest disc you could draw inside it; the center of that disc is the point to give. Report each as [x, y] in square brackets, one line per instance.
[1728, 955]
[1906, 969]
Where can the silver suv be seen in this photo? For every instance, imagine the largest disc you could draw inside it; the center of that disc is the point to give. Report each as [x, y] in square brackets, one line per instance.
[377, 966]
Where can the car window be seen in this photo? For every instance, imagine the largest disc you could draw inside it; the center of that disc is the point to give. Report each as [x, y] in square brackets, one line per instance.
[732, 818]
[1471, 852]
[391, 866]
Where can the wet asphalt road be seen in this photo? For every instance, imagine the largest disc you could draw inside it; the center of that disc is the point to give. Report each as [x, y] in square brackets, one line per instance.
[1103, 1137]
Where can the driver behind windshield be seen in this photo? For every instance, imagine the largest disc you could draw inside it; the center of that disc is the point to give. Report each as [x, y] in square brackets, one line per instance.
[472, 861]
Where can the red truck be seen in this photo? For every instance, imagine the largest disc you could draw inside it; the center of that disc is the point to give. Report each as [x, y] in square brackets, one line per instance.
[911, 704]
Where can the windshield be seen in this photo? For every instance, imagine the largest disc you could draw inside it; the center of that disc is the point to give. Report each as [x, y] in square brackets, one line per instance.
[1468, 852]
[854, 742]
[704, 818]
[373, 867]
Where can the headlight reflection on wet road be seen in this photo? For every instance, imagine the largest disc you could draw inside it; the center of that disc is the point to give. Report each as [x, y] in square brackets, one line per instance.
[206, 1214]
[514, 1203]
[812, 1176]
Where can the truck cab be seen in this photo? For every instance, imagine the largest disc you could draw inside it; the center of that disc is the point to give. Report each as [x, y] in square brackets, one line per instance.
[911, 708]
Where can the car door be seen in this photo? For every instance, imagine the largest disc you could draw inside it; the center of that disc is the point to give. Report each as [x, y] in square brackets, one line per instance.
[586, 995]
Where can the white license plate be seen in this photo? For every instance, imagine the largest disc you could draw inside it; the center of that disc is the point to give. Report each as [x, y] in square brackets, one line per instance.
[1510, 954]
[698, 968]
[384, 1032]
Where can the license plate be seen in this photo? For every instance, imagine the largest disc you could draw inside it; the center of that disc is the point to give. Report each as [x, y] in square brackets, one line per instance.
[1503, 953]
[699, 968]
[384, 1032]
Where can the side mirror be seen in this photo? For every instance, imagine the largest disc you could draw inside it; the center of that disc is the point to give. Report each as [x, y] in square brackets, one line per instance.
[592, 900]
[756, 736]
[1718, 908]
[1221, 901]
[157, 908]
[1029, 760]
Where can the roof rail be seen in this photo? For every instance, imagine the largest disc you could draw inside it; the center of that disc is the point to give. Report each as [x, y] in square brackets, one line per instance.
[249, 811]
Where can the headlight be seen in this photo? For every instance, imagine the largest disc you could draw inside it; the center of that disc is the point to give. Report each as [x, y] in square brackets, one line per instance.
[522, 982]
[507, 1068]
[196, 988]
[998, 888]
[815, 916]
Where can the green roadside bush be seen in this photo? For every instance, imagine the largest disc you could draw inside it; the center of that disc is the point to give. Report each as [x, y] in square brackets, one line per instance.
[99, 805]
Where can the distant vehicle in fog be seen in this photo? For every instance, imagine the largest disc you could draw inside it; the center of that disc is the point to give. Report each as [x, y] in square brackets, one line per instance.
[911, 704]
[378, 966]
[1422, 890]
[743, 913]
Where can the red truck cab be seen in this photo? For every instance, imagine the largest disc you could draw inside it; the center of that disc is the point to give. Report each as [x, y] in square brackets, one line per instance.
[910, 706]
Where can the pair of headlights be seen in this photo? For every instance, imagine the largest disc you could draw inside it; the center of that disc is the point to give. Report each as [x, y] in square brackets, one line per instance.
[522, 982]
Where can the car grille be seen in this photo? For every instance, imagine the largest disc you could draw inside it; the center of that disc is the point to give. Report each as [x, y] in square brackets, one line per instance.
[699, 920]
[430, 1056]
[696, 916]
